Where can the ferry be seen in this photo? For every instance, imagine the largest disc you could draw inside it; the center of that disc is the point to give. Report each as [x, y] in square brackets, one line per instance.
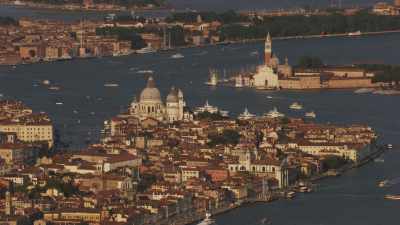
[310, 114]
[296, 106]
[274, 113]
[392, 197]
[357, 33]
[207, 220]
[111, 85]
[246, 115]
[145, 50]
[177, 56]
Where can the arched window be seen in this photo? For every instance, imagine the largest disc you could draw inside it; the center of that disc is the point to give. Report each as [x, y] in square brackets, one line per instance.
[263, 168]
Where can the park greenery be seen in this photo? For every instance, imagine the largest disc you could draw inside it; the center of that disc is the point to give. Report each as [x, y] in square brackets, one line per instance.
[383, 72]
[333, 162]
[176, 34]
[226, 137]
[8, 21]
[239, 27]
[309, 62]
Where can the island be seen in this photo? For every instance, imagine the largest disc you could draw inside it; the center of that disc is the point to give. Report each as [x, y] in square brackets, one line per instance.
[162, 162]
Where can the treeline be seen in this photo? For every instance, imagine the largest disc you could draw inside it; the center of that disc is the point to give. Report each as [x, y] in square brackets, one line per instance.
[239, 27]
[227, 17]
[174, 34]
[384, 73]
[7, 21]
[139, 3]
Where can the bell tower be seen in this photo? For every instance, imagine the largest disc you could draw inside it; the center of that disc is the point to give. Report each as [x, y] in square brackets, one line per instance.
[268, 50]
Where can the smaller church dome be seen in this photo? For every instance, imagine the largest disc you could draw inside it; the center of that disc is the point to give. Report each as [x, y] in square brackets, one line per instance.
[173, 95]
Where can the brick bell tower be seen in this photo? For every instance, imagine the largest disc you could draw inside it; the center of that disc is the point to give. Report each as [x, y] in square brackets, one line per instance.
[268, 50]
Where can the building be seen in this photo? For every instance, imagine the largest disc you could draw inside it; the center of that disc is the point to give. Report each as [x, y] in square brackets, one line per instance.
[31, 128]
[150, 104]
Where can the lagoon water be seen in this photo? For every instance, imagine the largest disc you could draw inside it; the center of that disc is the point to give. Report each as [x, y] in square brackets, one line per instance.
[352, 199]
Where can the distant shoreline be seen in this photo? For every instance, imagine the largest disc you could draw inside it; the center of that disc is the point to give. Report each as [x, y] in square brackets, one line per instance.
[65, 8]
[219, 43]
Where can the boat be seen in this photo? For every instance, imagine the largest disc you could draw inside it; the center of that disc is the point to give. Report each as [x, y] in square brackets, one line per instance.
[379, 160]
[364, 90]
[389, 146]
[274, 113]
[357, 33]
[213, 78]
[59, 103]
[310, 114]
[207, 220]
[177, 56]
[383, 183]
[111, 85]
[255, 53]
[147, 49]
[305, 189]
[246, 115]
[392, 197]
[269, 97]
[296, 106]
[54, 88]
[145, 71]
[290, 194]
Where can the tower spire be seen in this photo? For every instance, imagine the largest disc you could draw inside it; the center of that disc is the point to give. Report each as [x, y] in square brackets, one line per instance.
[268, 50]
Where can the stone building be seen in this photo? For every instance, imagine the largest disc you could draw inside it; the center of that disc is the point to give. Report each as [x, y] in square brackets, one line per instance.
[150, 104]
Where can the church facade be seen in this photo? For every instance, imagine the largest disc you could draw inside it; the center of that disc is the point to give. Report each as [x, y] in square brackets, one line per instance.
[151, 105]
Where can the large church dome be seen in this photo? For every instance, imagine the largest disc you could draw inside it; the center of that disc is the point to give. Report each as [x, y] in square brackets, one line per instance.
[150, 94]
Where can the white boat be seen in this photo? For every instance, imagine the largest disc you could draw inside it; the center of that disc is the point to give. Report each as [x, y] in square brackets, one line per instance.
[255, 53]
[246, 115]
[379, 160]
[177, 56]
[392, 197]
[213, 78]
[207, 220]
[59, 103]
[296, 106]
[145, 50]
[389, 146]
[269, 97]
[357, 33]
[54, 88]
[274, 113]
[310, 114]
[145, 72]
[364, 90]
[111, 85]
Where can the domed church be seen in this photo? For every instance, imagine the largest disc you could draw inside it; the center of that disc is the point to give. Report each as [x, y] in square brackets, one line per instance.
[150, 104]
